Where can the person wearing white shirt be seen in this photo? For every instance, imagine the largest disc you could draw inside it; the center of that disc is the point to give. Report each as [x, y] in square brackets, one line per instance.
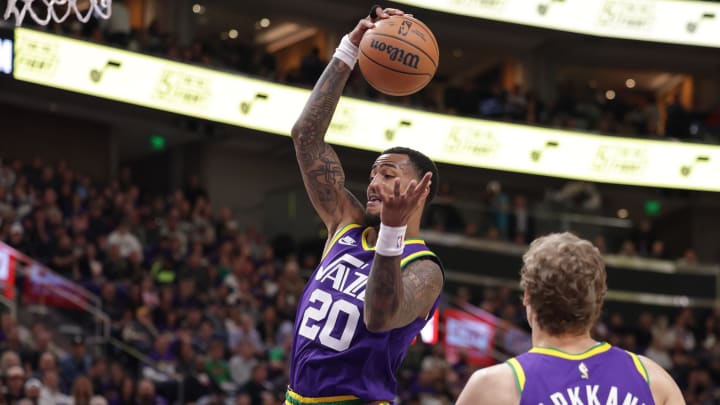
[50, 391]
[126, 241]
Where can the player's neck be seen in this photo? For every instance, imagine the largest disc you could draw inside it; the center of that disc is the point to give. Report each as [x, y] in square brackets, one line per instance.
[569, 343]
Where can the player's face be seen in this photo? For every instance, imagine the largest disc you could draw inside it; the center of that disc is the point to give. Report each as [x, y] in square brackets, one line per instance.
[384, 171]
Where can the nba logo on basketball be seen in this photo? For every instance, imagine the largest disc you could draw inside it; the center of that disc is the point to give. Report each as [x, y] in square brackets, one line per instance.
[404, 28]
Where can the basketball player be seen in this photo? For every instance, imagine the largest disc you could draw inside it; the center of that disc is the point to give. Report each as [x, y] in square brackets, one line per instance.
[563, 278]
[376, 284]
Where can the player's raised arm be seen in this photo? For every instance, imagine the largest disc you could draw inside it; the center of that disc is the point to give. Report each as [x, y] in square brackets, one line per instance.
[321, 169]
[322, 172]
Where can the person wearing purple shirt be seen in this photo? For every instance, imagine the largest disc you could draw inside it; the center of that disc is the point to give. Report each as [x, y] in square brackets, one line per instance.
[564, 283]
[377, 283]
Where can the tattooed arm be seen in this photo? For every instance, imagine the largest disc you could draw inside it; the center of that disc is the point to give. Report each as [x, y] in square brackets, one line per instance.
[322, 172]
[395, 297]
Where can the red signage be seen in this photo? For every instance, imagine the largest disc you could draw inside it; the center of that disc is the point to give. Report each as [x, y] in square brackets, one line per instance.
[469, 334]
[7, 272]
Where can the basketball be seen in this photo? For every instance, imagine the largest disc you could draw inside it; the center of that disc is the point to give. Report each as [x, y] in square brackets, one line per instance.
[399, 56]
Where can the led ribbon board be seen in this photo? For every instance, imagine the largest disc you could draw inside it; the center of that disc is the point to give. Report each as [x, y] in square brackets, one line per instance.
[668, 21]
[264, 106]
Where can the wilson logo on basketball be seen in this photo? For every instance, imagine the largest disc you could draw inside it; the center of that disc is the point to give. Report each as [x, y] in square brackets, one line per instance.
[396, 54]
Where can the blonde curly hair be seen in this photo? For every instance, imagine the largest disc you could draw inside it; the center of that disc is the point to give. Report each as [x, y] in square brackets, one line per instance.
[565, 282]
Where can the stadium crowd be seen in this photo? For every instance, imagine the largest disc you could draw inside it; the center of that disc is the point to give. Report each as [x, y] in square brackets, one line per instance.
[575, 107]
[212, 305]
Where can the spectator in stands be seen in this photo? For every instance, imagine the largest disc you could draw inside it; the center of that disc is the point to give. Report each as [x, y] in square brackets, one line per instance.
[258, 384]
[644, 236]
[64, 260]
[243, 362]
[141, 332]
[628, 249]
[126, 242]
[98, 400]
[494, 105]
[14, 384]
[521, 224]
[272, 329]
[600, 244]
[17, 238]
[146, 394]
[700, 388]
[76, 364]
[195, 190]
[32, 390]
[659, 353]
[682, 331]
[442, 215]
[217, 368]
[676, 124]
[194, 273]
[311, 66]
[9, 359]
[82, 391]
[50, 393]
[689, 258]
[47, 363]
[643, 332]
[657, 250]
[577, 195]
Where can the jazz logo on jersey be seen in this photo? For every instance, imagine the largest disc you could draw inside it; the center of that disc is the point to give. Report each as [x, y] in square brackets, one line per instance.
[344, 275]
[584, 372]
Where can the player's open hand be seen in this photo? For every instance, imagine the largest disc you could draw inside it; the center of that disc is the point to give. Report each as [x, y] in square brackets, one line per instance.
[377, 13]
[398, 206]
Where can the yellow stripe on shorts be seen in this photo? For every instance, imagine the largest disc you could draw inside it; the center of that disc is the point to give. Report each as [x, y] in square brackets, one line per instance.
[293, 398]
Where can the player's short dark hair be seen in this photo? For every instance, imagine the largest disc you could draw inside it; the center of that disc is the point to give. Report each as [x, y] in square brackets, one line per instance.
[423, 164]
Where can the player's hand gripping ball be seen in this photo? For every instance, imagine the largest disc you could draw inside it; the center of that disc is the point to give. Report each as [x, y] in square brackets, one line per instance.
[399, 56]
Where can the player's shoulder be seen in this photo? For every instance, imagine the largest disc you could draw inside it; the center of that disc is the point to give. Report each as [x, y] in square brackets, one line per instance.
[491, 385]
[663, 387]
[418, 253]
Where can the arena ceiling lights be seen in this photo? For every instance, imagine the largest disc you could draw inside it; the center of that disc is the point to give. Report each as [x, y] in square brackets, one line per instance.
[233, 99]
[667, 21]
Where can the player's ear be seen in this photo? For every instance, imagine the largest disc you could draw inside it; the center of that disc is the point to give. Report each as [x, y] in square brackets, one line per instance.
[426, 192]
[526, 298]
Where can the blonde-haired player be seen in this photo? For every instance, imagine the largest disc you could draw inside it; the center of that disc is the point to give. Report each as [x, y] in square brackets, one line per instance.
[563, 278]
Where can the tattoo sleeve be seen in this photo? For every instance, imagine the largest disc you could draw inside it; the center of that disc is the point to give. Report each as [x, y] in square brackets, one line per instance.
[395, 298]
[322, 172]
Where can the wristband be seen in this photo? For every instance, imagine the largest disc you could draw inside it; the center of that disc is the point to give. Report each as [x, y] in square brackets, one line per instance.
[347, 52]
[390, 240]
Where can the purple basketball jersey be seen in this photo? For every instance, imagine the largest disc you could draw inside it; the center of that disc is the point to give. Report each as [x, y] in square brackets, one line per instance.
[602, 375]
[332, 352]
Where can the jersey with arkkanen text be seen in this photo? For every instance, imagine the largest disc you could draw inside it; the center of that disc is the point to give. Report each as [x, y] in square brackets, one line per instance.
[603, 375]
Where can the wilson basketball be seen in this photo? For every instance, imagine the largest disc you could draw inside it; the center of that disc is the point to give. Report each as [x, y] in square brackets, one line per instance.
[399, 56]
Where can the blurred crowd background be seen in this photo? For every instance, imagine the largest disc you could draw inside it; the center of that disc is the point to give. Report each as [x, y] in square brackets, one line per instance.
[183, 248]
